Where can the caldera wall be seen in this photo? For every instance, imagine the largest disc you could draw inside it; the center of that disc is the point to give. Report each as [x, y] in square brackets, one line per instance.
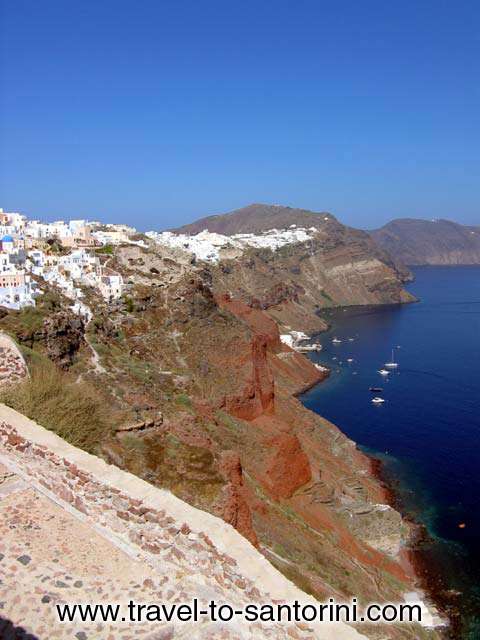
[151, 524]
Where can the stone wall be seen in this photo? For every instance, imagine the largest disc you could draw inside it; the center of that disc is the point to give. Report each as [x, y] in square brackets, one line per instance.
[152, 525]
[12, 364]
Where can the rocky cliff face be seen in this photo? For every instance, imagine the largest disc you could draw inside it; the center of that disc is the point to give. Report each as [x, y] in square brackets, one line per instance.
[192, 361]
[336, 266]
[207, 394]
[50, 327]
[426, 242]
[295, 282]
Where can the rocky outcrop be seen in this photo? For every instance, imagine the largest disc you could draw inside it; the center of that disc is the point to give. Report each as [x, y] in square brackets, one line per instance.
[56, 332]
[429, 242]
[257, 397]
[234, 507]
[63, 334]
[287, 467]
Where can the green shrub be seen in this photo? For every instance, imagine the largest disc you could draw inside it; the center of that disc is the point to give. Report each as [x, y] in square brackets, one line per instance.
[129, 304]
[106, 249]
[184, 400]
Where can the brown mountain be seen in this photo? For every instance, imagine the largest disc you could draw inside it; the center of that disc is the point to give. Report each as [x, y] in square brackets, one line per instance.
[256, 218]
[419, 242]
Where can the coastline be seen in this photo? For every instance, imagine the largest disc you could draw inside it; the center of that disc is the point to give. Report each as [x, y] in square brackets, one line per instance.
[429, 576]
[310, 385]
[416, 561]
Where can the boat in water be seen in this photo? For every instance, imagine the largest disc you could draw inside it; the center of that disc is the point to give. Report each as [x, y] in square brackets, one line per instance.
[378, 400]
[376, 389]
[336, 341]
[383, 372]
[392, 364]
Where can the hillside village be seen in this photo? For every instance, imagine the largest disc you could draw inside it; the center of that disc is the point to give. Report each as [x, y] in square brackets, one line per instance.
[188, 381]
[60, 253]
[212, 247]
[67, 254]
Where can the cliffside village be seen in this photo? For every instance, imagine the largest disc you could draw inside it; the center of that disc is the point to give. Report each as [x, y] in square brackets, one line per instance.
[62, 253]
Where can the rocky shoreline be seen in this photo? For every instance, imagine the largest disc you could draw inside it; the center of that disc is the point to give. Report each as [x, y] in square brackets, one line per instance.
[416, 561]
[429, 571]
[429, 576]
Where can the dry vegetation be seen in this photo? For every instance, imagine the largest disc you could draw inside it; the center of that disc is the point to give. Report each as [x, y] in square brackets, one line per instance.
[73, 410]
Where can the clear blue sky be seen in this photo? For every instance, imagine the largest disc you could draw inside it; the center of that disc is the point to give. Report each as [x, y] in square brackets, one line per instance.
[157, 112]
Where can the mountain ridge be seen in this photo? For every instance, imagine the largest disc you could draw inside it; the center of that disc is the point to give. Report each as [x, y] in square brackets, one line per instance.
[255, 218]
[415, 242]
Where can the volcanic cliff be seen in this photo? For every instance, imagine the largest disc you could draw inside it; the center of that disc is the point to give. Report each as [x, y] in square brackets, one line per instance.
[336, 266]
[200, 393]
[429, 242]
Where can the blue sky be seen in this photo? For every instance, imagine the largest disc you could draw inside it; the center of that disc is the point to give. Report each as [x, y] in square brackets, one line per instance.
[156, 112]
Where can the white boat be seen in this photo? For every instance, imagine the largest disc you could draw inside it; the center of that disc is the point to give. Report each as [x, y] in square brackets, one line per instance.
[378, 400]
[349, 359]
[392, 364]
[383, 372]
[336, 341]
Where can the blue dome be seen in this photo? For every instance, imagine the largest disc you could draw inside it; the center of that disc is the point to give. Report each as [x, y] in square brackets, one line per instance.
[7, 239]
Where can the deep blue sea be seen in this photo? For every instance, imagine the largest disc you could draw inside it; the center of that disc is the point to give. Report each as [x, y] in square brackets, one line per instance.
[428, 430]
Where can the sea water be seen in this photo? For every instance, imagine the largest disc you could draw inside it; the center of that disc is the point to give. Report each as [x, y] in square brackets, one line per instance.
[427, 432]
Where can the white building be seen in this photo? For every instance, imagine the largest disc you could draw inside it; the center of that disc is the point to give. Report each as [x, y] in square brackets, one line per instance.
[8, 244]
[111, 286]
[54, 276]
[11, 223]
[5, 264]
[16, 287]
[65, 271]
[79, 262]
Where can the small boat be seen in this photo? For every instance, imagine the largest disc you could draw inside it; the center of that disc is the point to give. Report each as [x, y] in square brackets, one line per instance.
[351, 339]
[392, 364]
[376, 389]
[378, 400]
[336, 341]
[383, 372]
[349, 359]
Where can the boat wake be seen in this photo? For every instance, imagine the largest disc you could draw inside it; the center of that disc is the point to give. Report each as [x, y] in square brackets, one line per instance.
[439, 376]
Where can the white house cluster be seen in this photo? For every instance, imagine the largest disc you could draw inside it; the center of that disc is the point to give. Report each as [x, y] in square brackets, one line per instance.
[61, 253]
